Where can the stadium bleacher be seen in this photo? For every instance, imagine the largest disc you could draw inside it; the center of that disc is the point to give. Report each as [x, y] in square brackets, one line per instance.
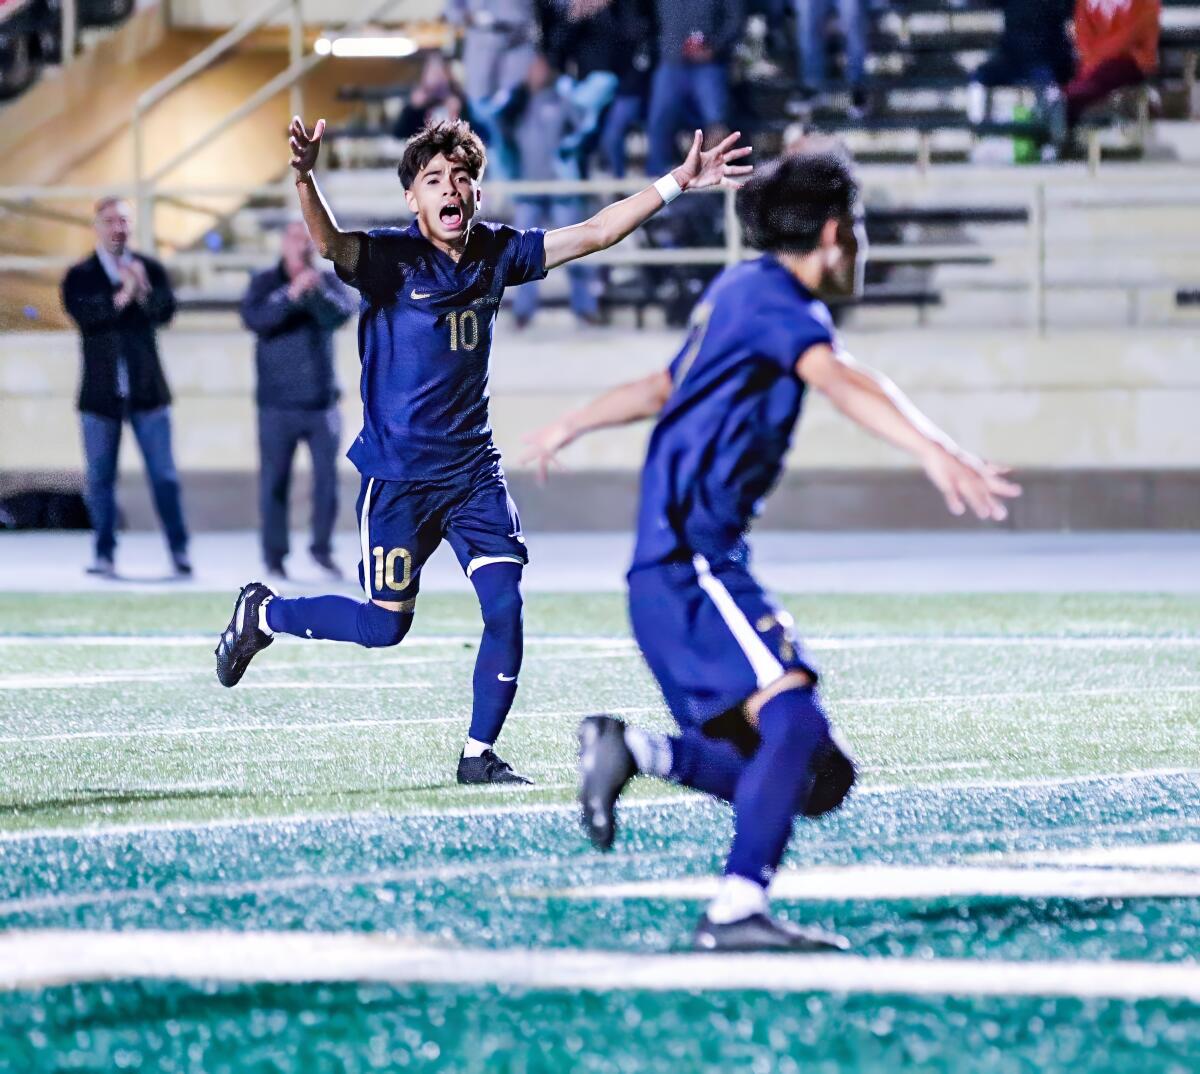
[32, 34]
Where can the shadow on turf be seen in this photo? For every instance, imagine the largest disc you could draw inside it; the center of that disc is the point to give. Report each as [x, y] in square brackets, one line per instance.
[115, 796]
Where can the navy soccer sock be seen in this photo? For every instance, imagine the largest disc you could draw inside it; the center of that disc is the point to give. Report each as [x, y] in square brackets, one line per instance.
[706, 764]
[498, 586]
[338, 619]
[773, 787]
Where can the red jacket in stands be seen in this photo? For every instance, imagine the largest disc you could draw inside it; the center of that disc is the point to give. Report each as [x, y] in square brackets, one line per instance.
[1105, 29]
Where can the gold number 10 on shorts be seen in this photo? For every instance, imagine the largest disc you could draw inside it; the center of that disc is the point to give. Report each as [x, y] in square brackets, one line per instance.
[385, 569]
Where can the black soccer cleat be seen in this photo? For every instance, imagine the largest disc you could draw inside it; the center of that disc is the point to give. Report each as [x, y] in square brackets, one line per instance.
[488, 767]
[242, 638]
[605, 766]
[760, 932]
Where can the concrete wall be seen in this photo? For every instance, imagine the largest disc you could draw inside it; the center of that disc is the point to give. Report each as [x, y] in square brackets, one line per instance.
[1104, 424]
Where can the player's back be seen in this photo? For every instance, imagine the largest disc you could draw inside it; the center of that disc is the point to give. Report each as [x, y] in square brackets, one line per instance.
[721, 440]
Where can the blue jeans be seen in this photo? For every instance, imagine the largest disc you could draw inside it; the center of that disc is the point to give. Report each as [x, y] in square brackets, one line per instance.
[623, 113]
[680, 93]
[554, 213]
[812, 38]
[101, 445]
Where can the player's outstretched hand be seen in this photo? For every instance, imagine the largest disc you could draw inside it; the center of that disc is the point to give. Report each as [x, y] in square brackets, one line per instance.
[702, 170]
[967, 482]
[305, 147]
[542, 448]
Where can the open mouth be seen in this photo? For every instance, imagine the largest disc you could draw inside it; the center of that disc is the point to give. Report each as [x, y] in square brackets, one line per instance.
[451, 216]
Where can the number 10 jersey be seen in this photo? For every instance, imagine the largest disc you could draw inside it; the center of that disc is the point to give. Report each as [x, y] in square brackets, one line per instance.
[425, 340]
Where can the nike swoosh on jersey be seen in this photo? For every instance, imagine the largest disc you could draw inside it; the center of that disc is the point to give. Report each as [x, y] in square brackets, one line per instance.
[420, 294]
[507, 678]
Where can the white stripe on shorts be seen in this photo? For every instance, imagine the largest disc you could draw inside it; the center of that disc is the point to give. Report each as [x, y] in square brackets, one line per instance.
[767, 669]
[364, 539]
[484, 561]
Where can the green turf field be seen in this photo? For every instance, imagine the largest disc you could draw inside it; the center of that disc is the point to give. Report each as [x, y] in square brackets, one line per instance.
[1029, 812]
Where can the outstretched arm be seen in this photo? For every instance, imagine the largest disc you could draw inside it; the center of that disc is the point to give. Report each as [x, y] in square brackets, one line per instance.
[630, 402]
[611, 224]
[871, 400]
[340, 247]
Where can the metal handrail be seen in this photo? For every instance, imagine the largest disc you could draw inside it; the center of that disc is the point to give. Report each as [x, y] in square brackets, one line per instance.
[298, 66]
[284, 80]
[1040, 208]
[211, 52]
[143, 186]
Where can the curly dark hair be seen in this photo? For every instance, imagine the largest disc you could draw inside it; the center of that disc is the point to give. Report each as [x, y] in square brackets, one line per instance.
[788, 201]
[450, 137]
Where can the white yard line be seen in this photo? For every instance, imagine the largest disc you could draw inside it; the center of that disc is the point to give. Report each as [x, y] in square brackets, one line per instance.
[1019, 784]
[888, 882]
[1138, 856]
[256, 728]
[181, 890]
[45, 959]
[841, 704]
[301, 684]
[816, 643]
[689, 800]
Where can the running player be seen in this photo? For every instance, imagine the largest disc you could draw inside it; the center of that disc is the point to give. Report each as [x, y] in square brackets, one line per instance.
[751, 727]
[430, 471]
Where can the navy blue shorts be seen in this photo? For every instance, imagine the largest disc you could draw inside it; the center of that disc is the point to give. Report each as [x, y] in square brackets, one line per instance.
[400, 525]
[711, 635]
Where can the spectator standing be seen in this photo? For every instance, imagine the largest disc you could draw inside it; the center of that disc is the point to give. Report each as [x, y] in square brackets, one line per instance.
[499, 40]
[119, 299]
[1117, 43]
[696, 39]
[436, 98]
[543, 126]
[1034, 51]
[294, 310]
[812, 42]
[582, 37]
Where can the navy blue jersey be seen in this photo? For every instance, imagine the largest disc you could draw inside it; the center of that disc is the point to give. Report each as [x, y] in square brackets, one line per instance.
[720, 442]
[425, 338]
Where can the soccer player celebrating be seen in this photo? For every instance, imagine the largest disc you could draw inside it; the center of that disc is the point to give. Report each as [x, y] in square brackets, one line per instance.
[430, 471]
[752, 729]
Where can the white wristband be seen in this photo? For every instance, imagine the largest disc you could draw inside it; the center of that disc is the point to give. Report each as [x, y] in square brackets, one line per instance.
[668, 188]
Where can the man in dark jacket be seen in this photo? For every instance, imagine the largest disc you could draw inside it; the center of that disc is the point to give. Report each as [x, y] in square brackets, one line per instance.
[119, 299]
[294, 310]
[1034, 50]
[696, 39]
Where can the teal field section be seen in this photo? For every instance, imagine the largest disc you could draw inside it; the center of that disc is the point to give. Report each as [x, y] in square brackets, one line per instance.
[1028, 818]
[110, 711]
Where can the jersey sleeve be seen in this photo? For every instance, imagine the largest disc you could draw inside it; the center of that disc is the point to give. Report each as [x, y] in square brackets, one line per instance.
[377, 269]
[786, 337]
[524, 256]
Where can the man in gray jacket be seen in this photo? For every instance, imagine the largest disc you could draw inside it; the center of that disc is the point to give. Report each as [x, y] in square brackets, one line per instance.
[294, 310]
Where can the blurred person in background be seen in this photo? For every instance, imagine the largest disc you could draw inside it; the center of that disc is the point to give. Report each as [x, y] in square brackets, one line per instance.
[436, 97]
[696, 39]
[581, 37]
[499, 41]
[294, 310]
[1117, 45]
[812, 43]
[119, 299]
[1034, 51]
[543, 127]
